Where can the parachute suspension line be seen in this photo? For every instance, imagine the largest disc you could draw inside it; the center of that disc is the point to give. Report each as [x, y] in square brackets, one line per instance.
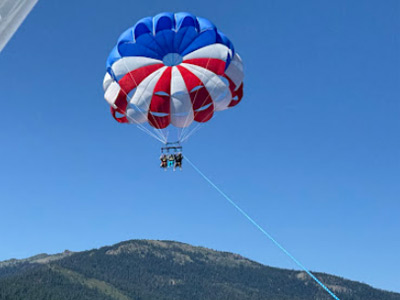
[195, 129]
[189, 131]
[166, 137]
[179, 133]
[185, 128]
[198, 126]
[143, 128]
[262, 230]
[157, 131]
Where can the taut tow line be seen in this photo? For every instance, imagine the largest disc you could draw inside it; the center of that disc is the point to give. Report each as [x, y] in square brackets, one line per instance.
[262, 230]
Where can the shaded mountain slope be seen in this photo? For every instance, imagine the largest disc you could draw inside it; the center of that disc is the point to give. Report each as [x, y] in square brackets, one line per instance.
[165, 270]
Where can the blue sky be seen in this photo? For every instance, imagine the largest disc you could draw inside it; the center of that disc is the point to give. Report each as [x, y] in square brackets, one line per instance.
[312, 152]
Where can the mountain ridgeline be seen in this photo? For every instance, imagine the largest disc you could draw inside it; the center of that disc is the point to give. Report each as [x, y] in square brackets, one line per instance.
[165, 270]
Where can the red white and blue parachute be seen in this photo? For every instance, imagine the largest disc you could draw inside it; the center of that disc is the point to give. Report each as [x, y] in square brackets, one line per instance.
[172, 69]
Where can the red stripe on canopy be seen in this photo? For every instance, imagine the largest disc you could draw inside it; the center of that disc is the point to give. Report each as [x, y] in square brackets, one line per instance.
[235, 93]
[200, 97]
[161, 103]
[127, 83]
[212, 64]
[132, 79]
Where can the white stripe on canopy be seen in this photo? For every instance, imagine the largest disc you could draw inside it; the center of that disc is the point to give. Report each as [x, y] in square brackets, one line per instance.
[216, 87]
[128, 64]
[235, 70]
[181, 105]
[217, 51]
[140, 101]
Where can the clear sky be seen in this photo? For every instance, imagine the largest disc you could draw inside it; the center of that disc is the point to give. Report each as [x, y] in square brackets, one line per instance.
[312, 152]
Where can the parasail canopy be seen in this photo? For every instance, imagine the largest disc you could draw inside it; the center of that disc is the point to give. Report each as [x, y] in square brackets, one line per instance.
[170, 71]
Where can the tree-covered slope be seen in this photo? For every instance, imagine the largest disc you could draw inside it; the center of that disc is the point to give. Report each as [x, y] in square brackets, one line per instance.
[165, 270]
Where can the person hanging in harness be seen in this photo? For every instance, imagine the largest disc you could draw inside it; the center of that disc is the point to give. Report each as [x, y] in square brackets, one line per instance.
[171, 161]
[178, 161]
[164, 161]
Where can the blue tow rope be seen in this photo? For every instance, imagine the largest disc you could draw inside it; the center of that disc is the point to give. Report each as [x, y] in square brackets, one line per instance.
[263, 231]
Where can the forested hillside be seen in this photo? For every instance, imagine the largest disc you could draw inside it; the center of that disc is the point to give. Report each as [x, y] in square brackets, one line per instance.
[165, 270]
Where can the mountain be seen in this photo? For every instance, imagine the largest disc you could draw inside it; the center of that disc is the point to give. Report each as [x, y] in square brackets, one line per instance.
[165, 270]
